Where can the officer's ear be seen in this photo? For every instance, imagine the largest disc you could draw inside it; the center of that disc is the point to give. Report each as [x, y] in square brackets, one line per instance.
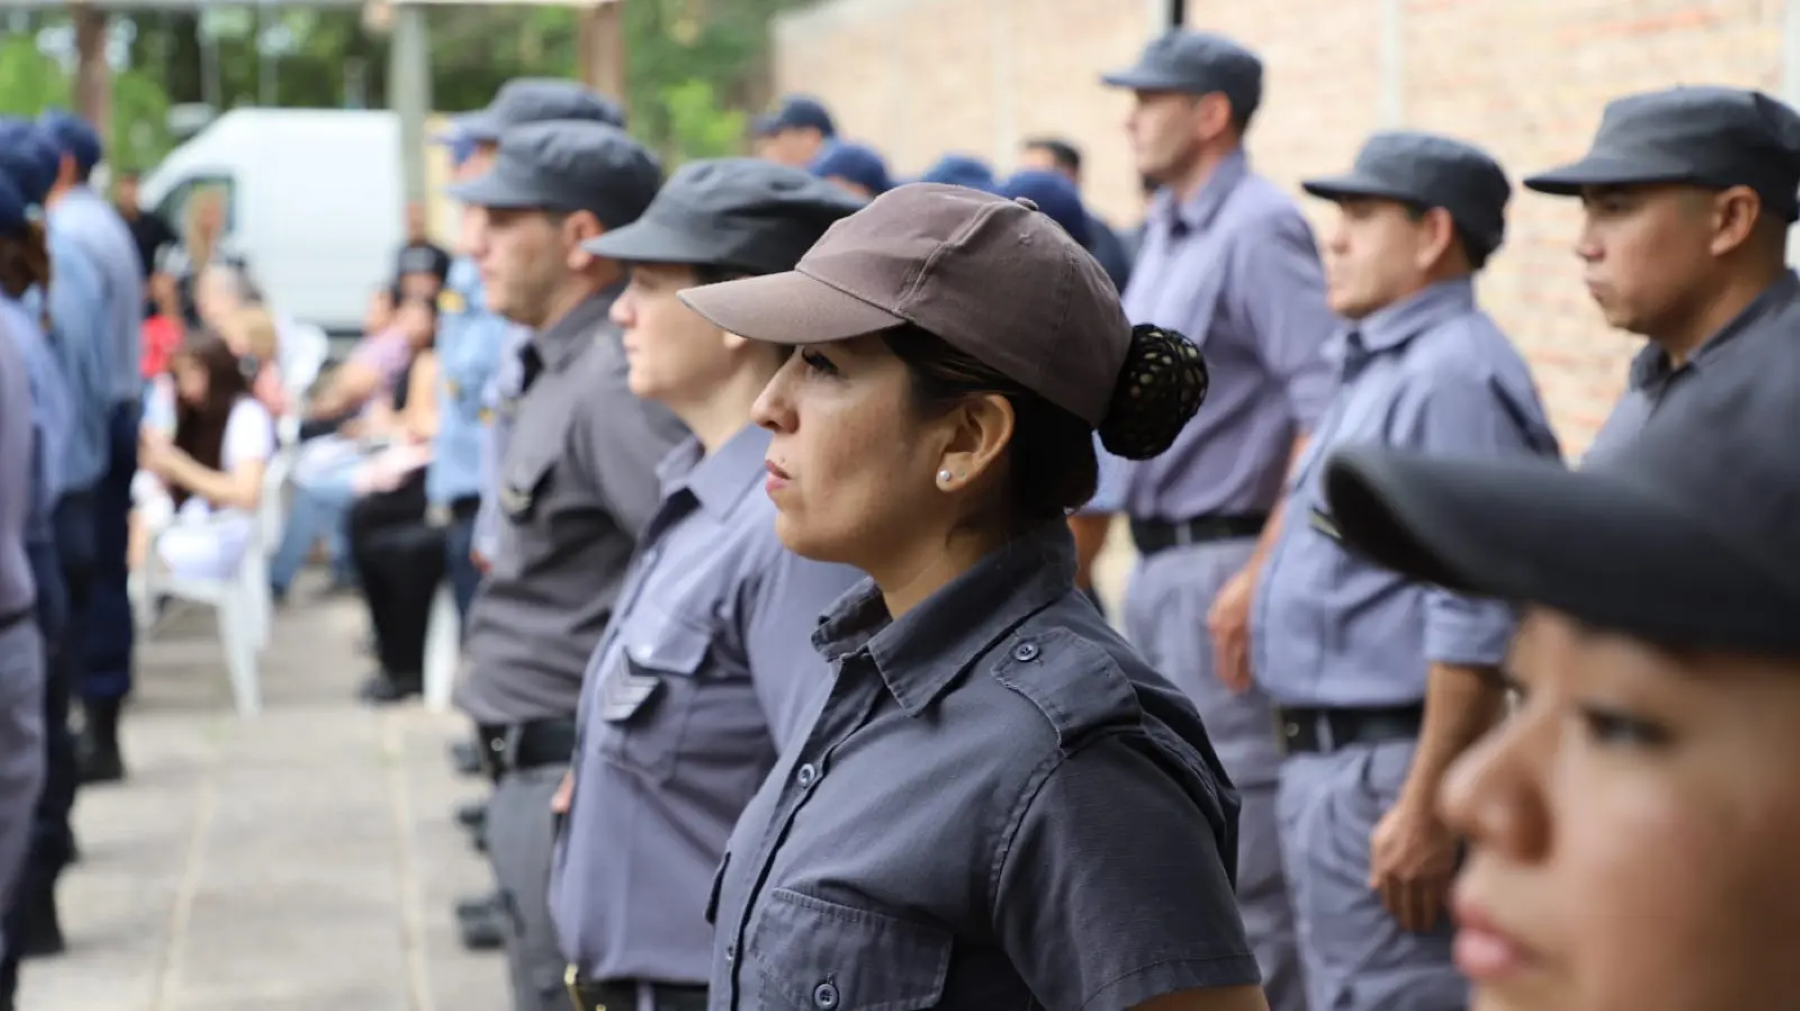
[1437, 238]
[1212, 115]
[579, 227]
[1735, 213]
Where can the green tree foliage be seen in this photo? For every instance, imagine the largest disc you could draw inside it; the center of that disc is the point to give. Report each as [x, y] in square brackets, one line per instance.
[31, 82]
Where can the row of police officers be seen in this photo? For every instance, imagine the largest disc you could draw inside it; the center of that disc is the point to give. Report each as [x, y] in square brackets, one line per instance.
[959, 788]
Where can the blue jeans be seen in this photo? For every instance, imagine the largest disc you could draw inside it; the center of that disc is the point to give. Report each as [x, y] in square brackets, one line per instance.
[319, 509]
[465, 578]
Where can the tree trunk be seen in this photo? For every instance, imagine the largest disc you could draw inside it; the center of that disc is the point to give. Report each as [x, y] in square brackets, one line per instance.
[93, 79]
[600, 49]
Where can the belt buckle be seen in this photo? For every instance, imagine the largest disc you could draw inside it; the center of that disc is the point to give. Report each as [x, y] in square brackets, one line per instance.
[572, 980]
[1183, 531]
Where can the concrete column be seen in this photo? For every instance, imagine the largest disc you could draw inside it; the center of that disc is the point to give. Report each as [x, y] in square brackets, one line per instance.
[409, 92]
[1391, 100]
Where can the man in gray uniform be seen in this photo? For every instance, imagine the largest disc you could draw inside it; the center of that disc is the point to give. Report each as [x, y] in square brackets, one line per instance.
[1688, 195]
[1228, 260]
[1381, 683]
[577, 485]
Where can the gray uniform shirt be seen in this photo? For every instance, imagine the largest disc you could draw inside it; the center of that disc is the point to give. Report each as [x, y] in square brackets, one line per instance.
[1734, 356]
[995, 802]
[577, 486]
[18, 479]
[701, 678]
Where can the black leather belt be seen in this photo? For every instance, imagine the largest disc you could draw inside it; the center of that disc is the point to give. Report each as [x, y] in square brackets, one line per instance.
[465, 508]
[623, 996]
[517, 747]
[1306, 730]
[1152, 536]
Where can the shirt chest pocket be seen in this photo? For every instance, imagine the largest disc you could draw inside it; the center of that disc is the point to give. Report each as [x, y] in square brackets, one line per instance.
[528, 485]
[647, 696]
[812, 955]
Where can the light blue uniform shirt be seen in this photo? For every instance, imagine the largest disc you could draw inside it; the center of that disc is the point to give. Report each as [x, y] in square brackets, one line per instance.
[501, 399]
[84, 350]
[92, 225]
[469, 345]
[51, 415]
[1431, 374]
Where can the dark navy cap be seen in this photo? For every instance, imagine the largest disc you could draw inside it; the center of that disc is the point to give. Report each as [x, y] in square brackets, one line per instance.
[794, 113]
[568, 166]
[1700, 135]
[856, 163]
[1685, 536]
[458, 144]
[1428, 170]
[961, 170]
[525, 100]
[744, 214]
[13, 219]
[1196, 63]
[73, 137]
[1053, 194]
[27, 160]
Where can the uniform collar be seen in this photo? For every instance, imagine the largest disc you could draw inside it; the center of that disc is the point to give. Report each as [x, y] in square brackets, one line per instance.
[1392, 327]
[1199, 210]
[1652, 367]
[720, 481]
[562, 342]
[931, 645]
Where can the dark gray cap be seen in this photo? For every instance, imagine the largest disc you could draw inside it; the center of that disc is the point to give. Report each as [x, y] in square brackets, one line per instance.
[745, 214]
[1197, 63]
[1685, 536]
[568, 166]
[1429, 170]
[1701, 135]
[535, 100]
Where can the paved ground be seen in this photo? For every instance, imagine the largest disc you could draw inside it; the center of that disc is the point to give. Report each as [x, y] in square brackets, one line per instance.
[302, 859]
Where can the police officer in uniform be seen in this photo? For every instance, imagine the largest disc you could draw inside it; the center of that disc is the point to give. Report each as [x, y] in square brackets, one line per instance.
[578, 485]
[1380, 683]
[1227, 258]
[23, 505]
[994, 803]
[707, 664]
[1687, 196]
[1632, 825]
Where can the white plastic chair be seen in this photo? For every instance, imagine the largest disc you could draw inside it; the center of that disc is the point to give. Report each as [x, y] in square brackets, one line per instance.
[443, 647]
[240, 602]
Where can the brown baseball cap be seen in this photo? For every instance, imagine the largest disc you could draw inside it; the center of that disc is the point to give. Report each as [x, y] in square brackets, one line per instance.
[994, 278]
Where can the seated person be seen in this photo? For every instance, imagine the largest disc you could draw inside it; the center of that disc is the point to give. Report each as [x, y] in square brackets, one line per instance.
[333, 471]
[199, 485]
[251, 334]
[373, 368]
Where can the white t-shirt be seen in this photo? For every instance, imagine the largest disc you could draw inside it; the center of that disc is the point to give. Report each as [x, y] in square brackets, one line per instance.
[249, 437]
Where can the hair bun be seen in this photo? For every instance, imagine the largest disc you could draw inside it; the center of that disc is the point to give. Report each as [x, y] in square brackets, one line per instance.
[1163, 382]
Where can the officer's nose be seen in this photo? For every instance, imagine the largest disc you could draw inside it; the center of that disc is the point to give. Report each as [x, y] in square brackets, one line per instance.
[1495, 793]
[774, 407]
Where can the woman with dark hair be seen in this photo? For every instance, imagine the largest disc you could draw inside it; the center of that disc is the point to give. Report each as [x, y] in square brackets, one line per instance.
[994, 802]
[201, 482]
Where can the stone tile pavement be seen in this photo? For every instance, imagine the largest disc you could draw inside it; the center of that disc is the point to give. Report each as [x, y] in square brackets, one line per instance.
[305, 858]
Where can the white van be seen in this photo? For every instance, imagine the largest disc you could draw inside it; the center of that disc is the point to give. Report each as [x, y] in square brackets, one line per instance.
[314, 200]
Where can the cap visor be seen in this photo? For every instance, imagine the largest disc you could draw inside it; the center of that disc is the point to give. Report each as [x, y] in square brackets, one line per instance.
[1141, 79]
[491, 190]
[645, 241]
[1530, 531]
[1352, 187]
[478, 127]
[1569, 180]
[790, 308]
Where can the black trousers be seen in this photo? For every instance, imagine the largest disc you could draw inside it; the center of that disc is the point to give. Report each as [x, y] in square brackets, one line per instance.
[400, 558]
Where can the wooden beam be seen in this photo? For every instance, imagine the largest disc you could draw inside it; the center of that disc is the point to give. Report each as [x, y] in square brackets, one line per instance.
[93, 78]
[600, 49]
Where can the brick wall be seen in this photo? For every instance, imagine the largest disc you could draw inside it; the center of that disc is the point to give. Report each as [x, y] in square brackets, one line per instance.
[1525, 78]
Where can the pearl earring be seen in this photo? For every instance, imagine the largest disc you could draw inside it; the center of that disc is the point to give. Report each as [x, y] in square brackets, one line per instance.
[943, 477]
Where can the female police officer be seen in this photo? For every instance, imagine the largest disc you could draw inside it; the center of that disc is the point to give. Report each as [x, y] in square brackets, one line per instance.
[705, 665]
[1632, 826]
[994, 803]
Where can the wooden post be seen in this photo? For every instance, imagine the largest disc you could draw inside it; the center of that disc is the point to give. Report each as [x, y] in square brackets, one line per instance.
[600, 48]
[93, 78]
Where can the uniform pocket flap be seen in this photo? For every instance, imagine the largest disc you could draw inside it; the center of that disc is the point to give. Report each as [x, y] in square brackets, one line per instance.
[667, 646]
[819, 954]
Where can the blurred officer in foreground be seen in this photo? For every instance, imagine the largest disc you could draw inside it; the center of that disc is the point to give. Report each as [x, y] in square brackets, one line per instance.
[23, 506]
[1688, 195]
[854, 168]
[32, 926]
[960, 170]
[577, 486]
[796, 133]
[93, 226]
[994, 802]
[708, 664]
[1053, 154]
[1380, 683]
[1228, 259]
[1631, 826]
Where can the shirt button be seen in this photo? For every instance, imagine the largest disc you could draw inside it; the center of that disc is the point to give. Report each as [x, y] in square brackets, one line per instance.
[1025, 652]
[825, 996]
[808, 775]
[730, 954]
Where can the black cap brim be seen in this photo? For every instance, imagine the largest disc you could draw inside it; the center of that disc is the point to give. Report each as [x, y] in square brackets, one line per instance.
[1602, 170]
[493, 190]
[1602, 548]
[1351, 186]
[646, 241]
